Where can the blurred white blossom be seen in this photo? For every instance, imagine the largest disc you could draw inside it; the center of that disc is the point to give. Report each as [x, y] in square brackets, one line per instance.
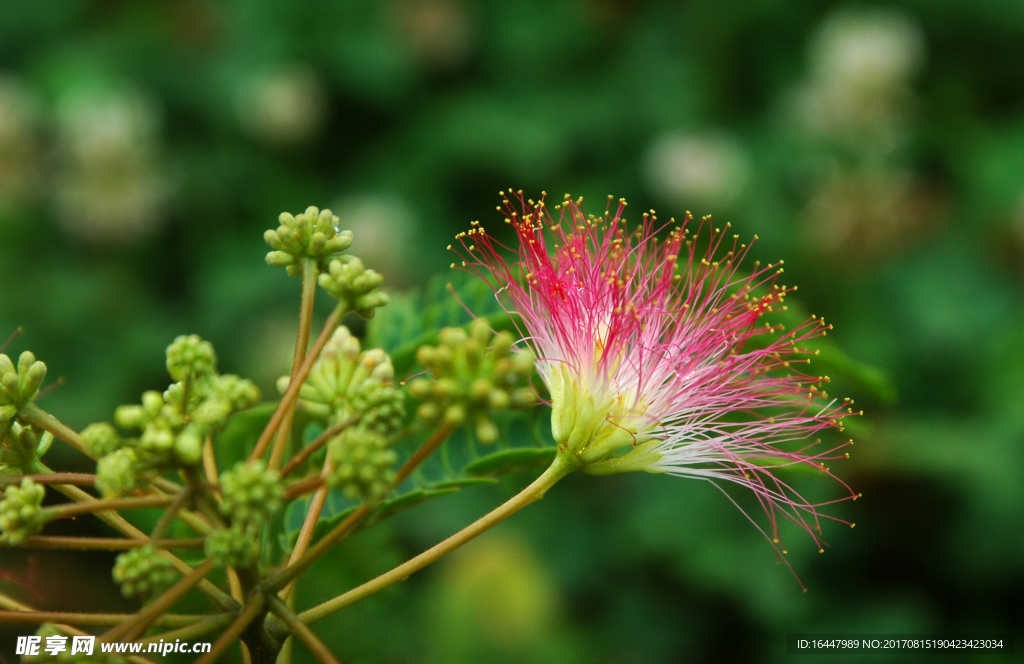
[109, 187]
[19, 149]
[382, 226]
[438, 32]
[710, 168]
[861, 64]
[284, 106]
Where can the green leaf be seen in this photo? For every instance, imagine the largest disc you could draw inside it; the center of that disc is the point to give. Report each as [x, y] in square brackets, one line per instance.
[383, 511]
[413, 319]
[508, 461]
[234, 443]
[465, 482]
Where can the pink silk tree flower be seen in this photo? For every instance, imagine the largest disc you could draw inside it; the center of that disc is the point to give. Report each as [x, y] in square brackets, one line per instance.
[655, 354]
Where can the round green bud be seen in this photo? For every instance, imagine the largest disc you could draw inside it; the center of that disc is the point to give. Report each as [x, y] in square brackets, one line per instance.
[130, 417]
[33, 377]
[21, 512]
[115, 473]
[524, 397]
[428, 411]
[480, 390]
[157, 439]
[363, 465]
[486, 430]
[100, 439]
[188, 446]
[420, 388]
[350, 282]
[233, 547]
[455, 414]
[498, 399]
[143, 572]
[252, 494]
[190, 356]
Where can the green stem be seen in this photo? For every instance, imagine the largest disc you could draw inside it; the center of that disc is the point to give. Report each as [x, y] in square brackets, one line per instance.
[309, 274]
[561, 467]
[299, 629]
[292, 393]
[36, 416]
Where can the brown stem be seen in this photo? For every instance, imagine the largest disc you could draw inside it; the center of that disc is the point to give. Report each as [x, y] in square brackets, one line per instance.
[189, 632]
[165, 521]
[118, 522]
[292, 393]
[299, 629]
[209, 461]
[133, 628]
[78, 479]
[74, 509]
[317, 443]
[108, 543]
[235, 629]
[309, 524]
[93, 619]
[302, 487]
[309, 274]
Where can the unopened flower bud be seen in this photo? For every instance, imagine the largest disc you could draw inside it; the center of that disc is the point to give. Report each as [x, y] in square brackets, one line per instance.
[115, 473]
[233, 547]
[486, 430]
[252, 494]
[21, 512]
[143, 572]
[455, 414]
[363, 466]
[101, 439]
[190, 356]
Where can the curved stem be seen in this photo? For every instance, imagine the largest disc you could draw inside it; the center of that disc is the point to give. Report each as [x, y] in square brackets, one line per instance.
[309, 274]
[559, 469]
[309, 524]
[199, 628]
[299, 629]
[292, 393]
[234, 630]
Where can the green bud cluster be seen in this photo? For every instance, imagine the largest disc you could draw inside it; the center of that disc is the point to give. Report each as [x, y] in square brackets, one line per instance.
[233, 547]
[469, 382]
[101, 438]
[173, 424]
[252, 494]
[21, 512]
[348, 280]
[22, 446]
[18, 385]
[363, 464]
[143, 572]
[345, 381]
[312, 234]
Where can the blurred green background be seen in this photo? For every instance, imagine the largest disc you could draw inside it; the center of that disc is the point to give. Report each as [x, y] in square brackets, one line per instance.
[877, 147]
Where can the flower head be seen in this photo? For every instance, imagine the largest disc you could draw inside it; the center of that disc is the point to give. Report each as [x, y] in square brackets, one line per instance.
[655, 346]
